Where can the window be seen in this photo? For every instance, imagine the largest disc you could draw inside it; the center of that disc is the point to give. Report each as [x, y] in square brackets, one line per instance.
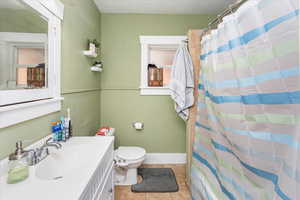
[157, 54]
[30, 56]
[162, 57]
[29, 69]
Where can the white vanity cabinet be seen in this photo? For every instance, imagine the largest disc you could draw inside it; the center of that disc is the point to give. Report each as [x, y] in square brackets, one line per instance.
[107, 192]
[84, 166]
[101, 184]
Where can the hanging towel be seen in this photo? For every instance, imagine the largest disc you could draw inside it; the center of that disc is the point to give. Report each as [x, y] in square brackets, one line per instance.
[182, 81]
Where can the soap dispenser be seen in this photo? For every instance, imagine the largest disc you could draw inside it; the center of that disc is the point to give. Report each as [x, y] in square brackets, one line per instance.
[18, 165]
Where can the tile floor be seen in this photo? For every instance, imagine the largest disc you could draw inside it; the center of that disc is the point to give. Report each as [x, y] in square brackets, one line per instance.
[124, 192]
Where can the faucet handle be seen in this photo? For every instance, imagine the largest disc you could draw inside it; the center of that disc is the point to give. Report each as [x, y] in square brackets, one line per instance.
[45, 151]
[32, 158]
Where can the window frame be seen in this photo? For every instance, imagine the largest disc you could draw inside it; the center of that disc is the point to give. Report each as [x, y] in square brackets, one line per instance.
[15, 65]
[32, 40]
[24, 104]
[146, 42]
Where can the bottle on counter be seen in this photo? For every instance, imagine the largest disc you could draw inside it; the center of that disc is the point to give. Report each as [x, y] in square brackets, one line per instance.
[18, 165]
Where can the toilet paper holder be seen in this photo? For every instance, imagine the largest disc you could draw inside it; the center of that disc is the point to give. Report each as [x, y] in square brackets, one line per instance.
[138, 125]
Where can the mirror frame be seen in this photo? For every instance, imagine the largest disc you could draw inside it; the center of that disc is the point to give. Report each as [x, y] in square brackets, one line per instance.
[20, 105]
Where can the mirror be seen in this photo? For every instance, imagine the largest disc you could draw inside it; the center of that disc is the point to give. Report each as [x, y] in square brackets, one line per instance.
[23, 47]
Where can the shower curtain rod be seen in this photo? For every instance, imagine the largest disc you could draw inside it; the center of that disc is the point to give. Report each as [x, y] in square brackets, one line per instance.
[227, 11]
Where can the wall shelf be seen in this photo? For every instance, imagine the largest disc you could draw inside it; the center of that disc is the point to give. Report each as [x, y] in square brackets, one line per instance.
[89, 53]
[96, 69]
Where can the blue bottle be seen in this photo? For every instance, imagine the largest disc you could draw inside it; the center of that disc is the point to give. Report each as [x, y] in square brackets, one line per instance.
[55, 131]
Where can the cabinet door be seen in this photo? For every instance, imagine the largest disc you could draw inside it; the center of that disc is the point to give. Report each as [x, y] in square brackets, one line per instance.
[108, 190]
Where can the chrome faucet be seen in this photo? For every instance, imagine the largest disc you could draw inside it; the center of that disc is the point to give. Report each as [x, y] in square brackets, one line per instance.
[41, 153]
[50, 143]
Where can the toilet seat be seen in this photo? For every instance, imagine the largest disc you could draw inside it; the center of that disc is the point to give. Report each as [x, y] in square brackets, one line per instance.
[130, 153]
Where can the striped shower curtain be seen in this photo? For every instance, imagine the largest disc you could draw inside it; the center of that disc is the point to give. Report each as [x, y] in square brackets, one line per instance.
[247, 138]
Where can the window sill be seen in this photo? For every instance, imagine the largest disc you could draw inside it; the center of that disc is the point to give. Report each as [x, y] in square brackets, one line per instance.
[10, 115]
[155, 91]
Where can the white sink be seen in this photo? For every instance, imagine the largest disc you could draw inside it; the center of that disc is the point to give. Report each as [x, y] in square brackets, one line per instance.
[60, 163]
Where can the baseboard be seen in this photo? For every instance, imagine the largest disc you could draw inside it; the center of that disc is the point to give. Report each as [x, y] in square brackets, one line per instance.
[165, 158]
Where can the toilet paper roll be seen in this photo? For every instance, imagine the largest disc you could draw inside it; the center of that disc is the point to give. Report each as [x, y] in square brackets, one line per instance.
[138, 125]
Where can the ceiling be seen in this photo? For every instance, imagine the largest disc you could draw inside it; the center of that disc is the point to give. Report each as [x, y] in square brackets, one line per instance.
[163, 6]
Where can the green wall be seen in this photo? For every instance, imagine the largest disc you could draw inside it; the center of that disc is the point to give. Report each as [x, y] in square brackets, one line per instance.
[121, 103]
[114, 99]
[80, 86]
[29, 21]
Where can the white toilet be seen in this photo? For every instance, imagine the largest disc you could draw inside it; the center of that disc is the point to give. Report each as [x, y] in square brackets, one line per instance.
[128, 159]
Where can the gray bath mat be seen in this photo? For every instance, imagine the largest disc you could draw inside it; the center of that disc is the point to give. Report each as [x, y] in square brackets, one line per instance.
[156, 180]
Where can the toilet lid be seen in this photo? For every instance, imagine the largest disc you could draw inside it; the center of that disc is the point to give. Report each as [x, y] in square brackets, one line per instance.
[130, 153]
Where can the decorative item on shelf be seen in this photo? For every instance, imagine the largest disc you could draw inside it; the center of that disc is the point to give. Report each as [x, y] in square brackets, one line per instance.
[155, 76]
[97, 67]
[97, 46]
[93, 48]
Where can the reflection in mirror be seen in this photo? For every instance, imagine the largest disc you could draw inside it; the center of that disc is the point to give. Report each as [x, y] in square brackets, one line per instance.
[23, 47]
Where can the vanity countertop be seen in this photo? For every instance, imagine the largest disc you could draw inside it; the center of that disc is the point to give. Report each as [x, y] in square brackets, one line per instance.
[81, 157]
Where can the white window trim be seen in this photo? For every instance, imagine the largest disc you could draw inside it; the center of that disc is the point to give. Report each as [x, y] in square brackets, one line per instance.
[16, 113]
[146, 42]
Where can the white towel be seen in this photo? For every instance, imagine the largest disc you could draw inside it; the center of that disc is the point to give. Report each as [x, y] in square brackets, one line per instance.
[182, 81]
